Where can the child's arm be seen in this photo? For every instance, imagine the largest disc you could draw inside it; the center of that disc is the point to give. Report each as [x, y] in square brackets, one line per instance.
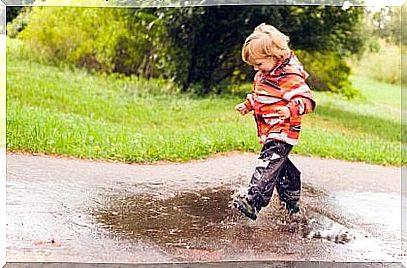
[246, 106]
[298, 95]
[300, 105]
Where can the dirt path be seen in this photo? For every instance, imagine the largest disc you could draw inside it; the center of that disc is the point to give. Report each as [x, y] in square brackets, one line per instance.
[73, 210]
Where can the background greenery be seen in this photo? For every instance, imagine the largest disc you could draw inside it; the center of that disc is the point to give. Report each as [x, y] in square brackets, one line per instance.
[70, 112]
[185, 45]
[149, 84]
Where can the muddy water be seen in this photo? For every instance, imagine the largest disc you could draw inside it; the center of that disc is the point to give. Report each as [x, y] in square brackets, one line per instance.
[70, 210]
[201, 225]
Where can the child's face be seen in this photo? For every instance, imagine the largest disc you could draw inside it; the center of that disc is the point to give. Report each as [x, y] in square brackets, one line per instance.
[265, 65]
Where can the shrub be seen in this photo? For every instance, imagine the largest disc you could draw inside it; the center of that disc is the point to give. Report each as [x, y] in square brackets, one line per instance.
[98, 39]
[382, 65]
[19, 22]
[185, 45]
[328, 72]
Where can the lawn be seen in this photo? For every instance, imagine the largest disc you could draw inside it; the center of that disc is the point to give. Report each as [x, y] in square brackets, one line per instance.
[67, 111]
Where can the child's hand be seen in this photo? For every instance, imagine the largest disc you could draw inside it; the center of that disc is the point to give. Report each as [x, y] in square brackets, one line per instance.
[242, 108]
[283, 112]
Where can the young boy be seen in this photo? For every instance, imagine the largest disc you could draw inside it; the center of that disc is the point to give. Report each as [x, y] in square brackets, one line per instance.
[279, 98]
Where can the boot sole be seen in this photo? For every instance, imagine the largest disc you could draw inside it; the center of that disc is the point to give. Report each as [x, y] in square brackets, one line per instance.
[241, 207]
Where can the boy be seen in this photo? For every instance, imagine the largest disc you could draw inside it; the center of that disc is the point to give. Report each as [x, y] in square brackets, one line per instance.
[279, 98]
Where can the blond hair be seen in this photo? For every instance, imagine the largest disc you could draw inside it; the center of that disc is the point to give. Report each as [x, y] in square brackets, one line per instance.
[265, 41]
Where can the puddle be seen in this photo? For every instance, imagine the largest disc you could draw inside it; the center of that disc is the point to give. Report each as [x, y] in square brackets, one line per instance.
[173, 221]
[202, 223]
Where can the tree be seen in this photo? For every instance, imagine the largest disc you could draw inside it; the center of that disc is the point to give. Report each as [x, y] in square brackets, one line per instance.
[386, 23]
[198, 47]
[207, 40]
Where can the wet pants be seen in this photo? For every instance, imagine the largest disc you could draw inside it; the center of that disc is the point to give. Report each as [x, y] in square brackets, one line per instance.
[274, 169]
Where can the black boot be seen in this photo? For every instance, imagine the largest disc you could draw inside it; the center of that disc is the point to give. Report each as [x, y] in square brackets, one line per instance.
[244, 206]
[292, 208]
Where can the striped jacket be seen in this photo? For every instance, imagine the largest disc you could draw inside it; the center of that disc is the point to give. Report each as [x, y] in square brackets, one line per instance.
[283, 86]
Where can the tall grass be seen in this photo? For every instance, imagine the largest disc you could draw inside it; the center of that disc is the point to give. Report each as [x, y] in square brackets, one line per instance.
[69, 112]
[383, 65]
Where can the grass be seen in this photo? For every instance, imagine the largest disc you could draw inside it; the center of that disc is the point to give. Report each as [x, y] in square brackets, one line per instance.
[2, 92]
[69, 112]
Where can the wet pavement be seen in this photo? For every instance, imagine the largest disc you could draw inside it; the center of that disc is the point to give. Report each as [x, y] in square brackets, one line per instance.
[62, 210]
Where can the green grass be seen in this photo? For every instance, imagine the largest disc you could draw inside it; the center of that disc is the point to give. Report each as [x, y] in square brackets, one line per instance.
[366, 129]
[2, 92]
[69, 112]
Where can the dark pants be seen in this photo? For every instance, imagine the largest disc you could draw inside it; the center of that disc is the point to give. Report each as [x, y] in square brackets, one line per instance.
[274, 169]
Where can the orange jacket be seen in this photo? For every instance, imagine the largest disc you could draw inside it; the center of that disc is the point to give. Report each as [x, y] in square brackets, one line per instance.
[283, 86]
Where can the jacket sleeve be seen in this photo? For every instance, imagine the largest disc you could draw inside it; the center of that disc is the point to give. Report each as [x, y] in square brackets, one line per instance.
[298, 95]
[249, 102]
[249, 99]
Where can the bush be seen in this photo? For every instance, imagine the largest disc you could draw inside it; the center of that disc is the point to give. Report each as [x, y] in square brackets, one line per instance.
[19, 22]
[12, 12]
[328, 72]
[99, 39]
[382, 65]
[185, 45]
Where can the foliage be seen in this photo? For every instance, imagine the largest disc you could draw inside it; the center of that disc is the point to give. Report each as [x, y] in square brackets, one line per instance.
[208, 52]
[72, 113]
[328, 72]
[185, 44]
[385, 41]
[403, 24]
[102, 39]
[386, 23]
[383, 65]
[12, 12]
[19, 22]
